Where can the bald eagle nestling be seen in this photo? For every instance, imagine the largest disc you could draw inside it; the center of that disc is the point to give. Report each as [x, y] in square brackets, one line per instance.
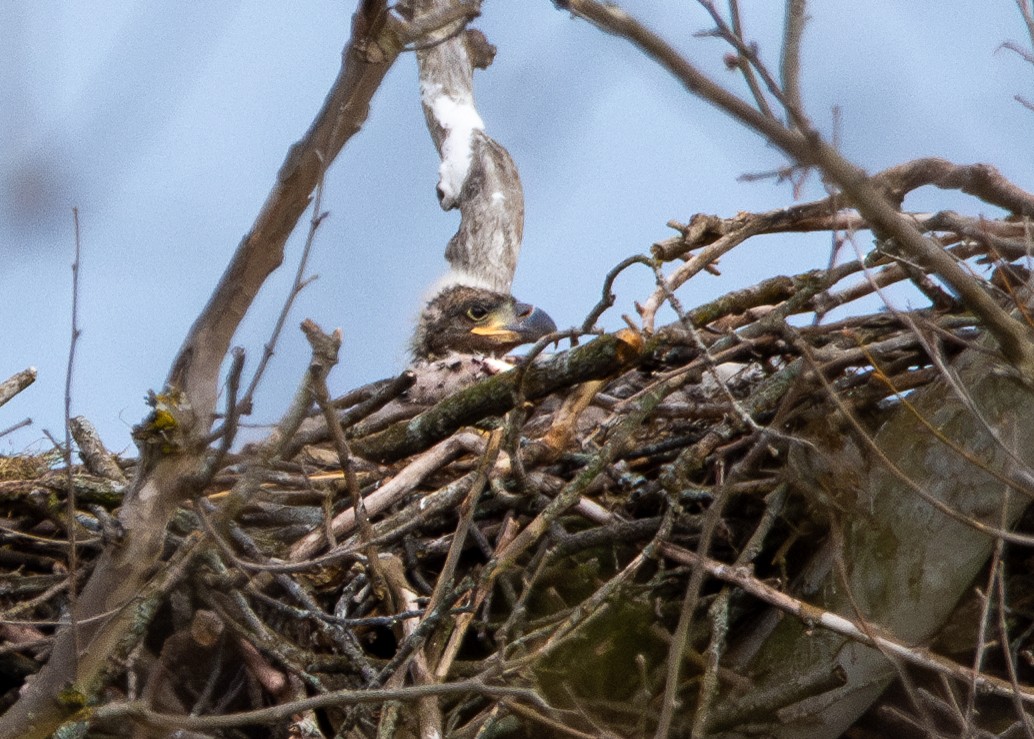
[461, 337]
[472, 320]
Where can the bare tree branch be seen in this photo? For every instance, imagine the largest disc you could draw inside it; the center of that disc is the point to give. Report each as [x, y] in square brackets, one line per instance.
[1027, 11]
[790, 64]
[599, 358]
[73, 558]
[742, 577]
[16, 383]
[96, 458]
[808, 149]
[186, 409]
[476, 175]
[139, 712]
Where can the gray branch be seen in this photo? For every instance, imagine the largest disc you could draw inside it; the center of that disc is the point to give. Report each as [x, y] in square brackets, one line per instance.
[476, 175]
[173, 439]
[16, 383]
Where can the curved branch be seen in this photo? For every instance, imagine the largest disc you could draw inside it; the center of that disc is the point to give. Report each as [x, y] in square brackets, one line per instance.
[476, 175]
[980, 180]
[138, 711]
[808, 149]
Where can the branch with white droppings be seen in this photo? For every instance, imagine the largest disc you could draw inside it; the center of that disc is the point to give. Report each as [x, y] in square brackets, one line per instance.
[459, 121]
[476, 174]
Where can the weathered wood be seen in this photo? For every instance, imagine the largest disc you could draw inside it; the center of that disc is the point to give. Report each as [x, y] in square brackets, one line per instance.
[476, 175]
[16, 383]
[96, 457]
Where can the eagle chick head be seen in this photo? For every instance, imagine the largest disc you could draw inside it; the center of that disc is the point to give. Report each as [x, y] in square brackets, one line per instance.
[476, 320]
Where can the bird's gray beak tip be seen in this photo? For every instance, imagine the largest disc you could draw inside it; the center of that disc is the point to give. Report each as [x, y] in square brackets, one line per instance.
[533, 323]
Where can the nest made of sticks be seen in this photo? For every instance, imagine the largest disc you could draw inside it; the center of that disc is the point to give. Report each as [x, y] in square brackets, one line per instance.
[530, 552]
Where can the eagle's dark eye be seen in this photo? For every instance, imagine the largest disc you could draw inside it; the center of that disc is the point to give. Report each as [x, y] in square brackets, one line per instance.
[477, 312]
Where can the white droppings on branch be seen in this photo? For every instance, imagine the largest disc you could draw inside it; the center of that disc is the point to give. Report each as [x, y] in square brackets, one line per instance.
[458, 117]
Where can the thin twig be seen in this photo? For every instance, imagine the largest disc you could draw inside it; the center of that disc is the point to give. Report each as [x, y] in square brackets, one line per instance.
[476, 686]
[466, 516]
[73, 554]
[920, 656]
[1027, 11]
[748, 60]
[983, 630]
[300, 283]
[345, 459]
[608, 297]
[11, 429]
[1001, 606]
[744, 63]
[679, 639]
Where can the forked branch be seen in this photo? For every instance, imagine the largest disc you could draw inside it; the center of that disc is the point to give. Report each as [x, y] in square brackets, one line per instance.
[805, 146]
[173, 439]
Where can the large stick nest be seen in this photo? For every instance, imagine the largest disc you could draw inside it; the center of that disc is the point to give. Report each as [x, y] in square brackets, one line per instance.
[514, 557]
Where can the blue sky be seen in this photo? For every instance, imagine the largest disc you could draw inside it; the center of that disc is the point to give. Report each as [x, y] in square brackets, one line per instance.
[165, 124]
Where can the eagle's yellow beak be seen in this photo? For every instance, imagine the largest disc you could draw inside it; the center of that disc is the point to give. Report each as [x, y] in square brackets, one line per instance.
[514, 324]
